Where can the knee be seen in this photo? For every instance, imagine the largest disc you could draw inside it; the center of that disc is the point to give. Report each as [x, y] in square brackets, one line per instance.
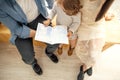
[29, 61]
[52, 48]
[48, 50]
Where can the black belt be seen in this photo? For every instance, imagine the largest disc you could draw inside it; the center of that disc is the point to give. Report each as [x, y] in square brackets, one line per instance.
[34, 23]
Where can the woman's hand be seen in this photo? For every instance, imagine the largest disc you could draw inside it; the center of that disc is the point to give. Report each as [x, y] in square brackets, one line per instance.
[109, 16]
[46, 22]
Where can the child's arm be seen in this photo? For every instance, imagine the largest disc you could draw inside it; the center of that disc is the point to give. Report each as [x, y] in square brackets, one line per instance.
[76, 23]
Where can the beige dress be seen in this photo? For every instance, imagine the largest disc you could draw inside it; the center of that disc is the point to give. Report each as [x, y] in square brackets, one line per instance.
[90, 33]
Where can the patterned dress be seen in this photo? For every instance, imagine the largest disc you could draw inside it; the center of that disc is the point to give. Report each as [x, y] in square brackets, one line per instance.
[90, 33]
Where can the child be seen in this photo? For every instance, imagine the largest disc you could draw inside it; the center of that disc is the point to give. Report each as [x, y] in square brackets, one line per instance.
[68, 14]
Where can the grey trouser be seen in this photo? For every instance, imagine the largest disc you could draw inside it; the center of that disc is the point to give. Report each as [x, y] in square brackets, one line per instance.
[25, 46]
[51, 48]
[26, 49]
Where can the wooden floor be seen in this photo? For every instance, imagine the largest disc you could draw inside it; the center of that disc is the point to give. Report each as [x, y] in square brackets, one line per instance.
[12, 67]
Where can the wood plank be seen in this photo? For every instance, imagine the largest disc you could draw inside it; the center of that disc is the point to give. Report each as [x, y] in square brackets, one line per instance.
[12, 67]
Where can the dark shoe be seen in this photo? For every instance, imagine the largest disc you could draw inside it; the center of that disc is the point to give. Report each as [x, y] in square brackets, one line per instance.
[89, 71]
[70, 51]
[81, 74]
[59, 50]
[52, 56]
[37, 69]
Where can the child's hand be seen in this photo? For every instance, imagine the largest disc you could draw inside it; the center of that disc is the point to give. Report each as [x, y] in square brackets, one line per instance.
[46, 22]
[69, 33]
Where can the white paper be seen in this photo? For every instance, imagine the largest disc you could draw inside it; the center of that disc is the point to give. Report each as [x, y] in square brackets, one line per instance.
[51, 35]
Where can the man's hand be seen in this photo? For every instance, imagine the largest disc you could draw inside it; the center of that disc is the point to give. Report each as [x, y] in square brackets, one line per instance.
[46, 22]
[32, 33]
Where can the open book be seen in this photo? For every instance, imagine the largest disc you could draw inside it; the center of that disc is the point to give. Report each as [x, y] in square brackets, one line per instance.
[51, 35]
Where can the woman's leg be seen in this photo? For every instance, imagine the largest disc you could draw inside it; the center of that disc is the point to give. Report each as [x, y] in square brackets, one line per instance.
[88, 51]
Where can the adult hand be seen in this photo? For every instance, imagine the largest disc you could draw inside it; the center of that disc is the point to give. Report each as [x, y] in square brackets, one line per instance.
[109, 16]
[46, 22]
[32, 33]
